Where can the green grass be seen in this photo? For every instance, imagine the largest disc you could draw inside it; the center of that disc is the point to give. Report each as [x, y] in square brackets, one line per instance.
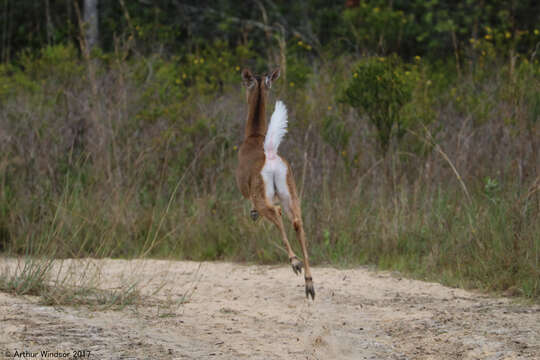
[30, 278]
[76, 285]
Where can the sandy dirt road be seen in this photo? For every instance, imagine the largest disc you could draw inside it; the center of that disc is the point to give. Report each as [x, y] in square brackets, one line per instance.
[260, 312]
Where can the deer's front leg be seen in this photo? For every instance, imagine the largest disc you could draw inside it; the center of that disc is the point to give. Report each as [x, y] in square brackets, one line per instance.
[254, 214]
[296, 265]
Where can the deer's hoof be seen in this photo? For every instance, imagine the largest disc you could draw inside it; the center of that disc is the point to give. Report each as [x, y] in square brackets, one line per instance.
[296, 265]
[254, 214]
[310, 290]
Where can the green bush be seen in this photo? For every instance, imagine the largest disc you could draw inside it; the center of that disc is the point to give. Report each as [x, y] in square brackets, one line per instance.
[380, 87]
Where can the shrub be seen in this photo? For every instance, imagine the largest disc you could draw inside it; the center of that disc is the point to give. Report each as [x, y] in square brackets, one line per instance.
[380, 87]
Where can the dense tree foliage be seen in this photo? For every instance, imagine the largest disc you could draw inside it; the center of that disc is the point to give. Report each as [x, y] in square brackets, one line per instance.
[409, 28]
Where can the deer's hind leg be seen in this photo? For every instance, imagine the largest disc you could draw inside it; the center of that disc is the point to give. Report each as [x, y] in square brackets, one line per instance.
[262, 196]
[286, 189]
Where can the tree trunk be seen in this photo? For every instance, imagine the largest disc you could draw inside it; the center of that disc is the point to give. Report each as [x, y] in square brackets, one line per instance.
[5, 35]
[91, 23]
[48, 23]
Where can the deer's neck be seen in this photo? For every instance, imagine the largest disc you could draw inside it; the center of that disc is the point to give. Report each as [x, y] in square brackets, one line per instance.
[256, 118]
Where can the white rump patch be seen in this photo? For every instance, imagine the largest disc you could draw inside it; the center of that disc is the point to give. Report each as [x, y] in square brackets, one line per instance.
[274, 174]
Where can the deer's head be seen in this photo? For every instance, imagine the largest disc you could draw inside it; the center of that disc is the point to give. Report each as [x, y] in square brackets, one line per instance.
[258, 84]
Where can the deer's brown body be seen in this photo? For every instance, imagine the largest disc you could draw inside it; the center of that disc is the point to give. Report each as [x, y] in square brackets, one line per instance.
[252, 183]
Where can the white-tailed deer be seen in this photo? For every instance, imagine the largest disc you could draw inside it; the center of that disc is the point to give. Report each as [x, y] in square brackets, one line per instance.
[262, 175]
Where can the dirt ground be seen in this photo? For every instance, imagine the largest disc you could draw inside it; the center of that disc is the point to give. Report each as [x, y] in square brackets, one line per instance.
[233, 311]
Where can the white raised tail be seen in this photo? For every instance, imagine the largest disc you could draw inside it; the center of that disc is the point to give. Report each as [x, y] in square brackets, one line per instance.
[276, 130]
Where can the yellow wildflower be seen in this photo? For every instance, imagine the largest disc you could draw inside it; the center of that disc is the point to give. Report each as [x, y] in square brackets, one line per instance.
[536, 32]
[300, 43]
[355, 75]
[488, 37]
[291, 84]
[507, 35]
[417, 58]
[329, 108]
[184, 76]
[235, 147]
[237, 68]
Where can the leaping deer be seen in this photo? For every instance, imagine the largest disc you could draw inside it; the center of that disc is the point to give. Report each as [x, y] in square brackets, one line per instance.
[262, 175]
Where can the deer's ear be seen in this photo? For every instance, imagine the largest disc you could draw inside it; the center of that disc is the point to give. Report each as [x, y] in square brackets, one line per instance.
[269, 79]
[274, 75]
[247, 77]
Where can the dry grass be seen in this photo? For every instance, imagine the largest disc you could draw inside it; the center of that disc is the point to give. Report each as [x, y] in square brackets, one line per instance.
[144, 167]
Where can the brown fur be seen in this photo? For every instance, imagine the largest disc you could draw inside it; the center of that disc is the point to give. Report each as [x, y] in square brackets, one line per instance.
[251, 159]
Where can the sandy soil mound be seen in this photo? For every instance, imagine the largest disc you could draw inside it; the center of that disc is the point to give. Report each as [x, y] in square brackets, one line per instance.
[259, 312]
